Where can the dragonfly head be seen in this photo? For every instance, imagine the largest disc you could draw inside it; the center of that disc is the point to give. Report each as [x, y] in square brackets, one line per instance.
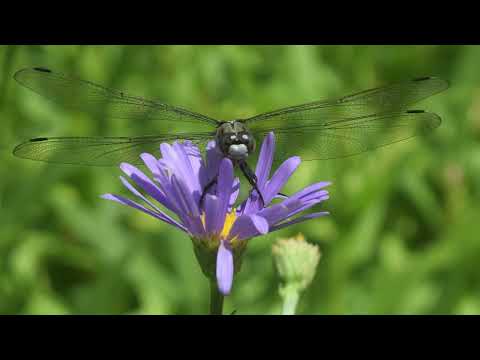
[234, 140]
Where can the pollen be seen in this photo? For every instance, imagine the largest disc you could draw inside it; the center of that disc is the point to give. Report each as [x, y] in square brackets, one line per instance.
[227, 226]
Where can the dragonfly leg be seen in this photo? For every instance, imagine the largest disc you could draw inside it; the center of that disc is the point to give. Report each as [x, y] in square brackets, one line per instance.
[259, 194]
[205, 190]
[252, 179]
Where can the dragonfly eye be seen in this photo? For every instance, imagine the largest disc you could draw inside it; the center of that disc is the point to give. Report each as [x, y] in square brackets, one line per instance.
[248, 140]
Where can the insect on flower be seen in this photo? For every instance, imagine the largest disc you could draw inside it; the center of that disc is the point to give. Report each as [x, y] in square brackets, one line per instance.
[219, 229]
[319, 130]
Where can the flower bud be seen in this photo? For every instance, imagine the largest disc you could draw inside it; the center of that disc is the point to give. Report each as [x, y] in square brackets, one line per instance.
[295, 261]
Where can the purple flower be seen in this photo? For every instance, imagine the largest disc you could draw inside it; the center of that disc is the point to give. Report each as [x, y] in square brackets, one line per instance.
[219, 229]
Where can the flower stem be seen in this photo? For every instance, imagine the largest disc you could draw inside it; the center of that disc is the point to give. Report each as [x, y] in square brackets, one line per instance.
[216, 299]
[290, 301]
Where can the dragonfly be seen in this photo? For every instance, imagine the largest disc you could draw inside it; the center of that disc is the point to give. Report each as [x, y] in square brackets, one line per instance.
[320, 130]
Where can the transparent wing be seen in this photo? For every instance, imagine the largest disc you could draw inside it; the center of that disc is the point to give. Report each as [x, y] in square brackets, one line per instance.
[73, 93]
[100, 151]
[352, 124]
[353, 137]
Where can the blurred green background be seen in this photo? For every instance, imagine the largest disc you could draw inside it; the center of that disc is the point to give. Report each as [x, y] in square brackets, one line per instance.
[402, 238]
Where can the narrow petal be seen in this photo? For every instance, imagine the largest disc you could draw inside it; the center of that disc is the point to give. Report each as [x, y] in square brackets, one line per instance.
[235, 192]
[298, 220]
[164, 176]
[307, 205]
[224, 190]
[224, 268]
[280, 212]
[248, 226]
[318, 195]
[176, 159]
[265, 159]
[168, 154]
[214, 157]
[279, 178]
[184, 197]
[173, 162]
[262, 171]
[260, 223]
[196, 161]
[137, 193]
[146, 184]
[133, 204]
[212, 209]
[151, 163]
[188, 210]
[310, 189]
[184, 165]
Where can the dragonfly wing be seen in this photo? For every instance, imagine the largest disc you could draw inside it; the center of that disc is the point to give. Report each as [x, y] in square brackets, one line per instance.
[99, 151]
[391, 98]
[78, 94]
[351, 137]
[351, 124]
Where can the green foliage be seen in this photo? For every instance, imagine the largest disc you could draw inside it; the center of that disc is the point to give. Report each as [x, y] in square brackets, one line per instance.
[402, 237]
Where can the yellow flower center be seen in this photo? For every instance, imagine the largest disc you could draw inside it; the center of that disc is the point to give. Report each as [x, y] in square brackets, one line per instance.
[227, 226]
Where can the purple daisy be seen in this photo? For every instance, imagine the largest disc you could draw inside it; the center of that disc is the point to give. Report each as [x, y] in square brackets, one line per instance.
[219, 229]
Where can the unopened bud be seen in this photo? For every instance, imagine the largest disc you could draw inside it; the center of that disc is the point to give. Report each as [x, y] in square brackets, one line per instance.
[295, 261]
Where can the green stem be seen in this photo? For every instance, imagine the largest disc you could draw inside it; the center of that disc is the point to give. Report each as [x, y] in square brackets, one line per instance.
[290, 300]
[216, 299]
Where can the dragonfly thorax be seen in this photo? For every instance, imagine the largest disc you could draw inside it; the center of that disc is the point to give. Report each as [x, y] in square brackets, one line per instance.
[234, 140]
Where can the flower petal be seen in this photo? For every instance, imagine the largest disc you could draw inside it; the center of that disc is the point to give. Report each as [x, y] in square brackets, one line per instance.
[224, 270]
[262, 171]
[279, 178]
[186, 168]
[214, 157]
[265, 159]
[308, 205]
[196, 161]
[184, 197]
[298, 220]
[146, 184]
[133, 204]
[248, 226]
[212, 213]
[280, 212]
[310, 189]
[188, 210]
[234, 194]
[177, 162]
[151, 163]
[260, 223]
[137, 193]
[224, 190]
[174, 161]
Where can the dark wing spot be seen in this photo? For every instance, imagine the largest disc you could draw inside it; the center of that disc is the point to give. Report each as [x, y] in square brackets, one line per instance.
[422, 78]
[38, 139]
[415, 111]
[42, 69]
